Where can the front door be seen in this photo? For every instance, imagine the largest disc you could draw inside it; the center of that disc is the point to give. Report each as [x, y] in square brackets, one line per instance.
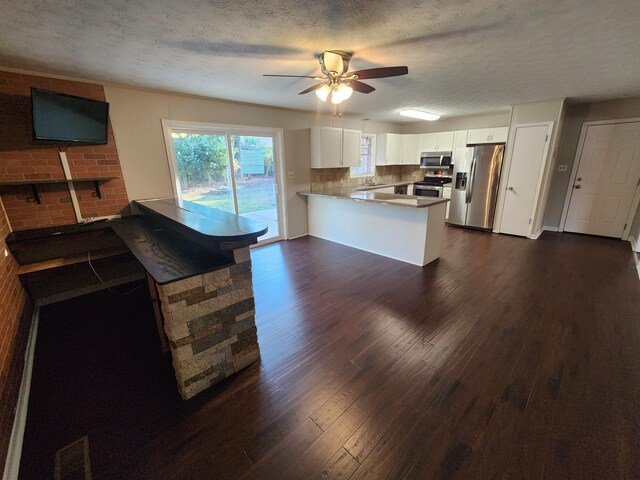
[606, 180]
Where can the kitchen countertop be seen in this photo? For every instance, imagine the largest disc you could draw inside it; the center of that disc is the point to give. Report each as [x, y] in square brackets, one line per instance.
[363, 188]
[372, 196]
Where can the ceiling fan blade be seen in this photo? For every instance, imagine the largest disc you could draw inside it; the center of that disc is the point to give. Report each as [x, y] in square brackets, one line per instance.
[360, 87]
[290, 76]
[311, 89]
[381, 72]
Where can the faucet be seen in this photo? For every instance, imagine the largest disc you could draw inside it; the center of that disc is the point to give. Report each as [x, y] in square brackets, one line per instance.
[370, 181]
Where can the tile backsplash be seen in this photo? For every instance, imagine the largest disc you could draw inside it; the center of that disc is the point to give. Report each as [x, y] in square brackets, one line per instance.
[327, 178]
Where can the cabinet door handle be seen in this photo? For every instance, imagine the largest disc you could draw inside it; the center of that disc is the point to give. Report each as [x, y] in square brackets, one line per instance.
[510, 189]
[576, 186]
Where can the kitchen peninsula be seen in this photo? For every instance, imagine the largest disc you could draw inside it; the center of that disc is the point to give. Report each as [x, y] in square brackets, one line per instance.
[404, 227]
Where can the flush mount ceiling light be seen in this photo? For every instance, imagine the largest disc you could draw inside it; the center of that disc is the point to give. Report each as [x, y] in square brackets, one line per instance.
[413, 113]
[337, 81]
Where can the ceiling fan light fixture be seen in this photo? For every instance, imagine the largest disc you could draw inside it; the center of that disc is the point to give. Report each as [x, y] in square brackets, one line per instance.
[340, 93]
[413, 113]
[323, 92]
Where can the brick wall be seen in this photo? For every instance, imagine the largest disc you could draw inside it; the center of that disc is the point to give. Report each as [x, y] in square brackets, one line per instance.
[20, 159]
[13, 333]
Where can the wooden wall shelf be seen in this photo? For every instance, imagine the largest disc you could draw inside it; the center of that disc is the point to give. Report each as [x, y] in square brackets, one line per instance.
[50, 181]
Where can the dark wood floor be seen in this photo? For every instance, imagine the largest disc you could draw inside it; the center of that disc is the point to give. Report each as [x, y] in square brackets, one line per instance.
[506, 359]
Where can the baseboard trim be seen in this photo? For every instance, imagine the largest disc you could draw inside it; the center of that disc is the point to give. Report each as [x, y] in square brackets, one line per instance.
[636, 256]
[536, 235]
[12, 464]
[550, 229]
[298, 236]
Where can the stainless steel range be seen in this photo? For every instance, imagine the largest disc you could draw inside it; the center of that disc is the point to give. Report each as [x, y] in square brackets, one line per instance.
[433, 183]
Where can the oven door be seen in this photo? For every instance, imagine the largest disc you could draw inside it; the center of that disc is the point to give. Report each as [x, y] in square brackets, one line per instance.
[427, 191]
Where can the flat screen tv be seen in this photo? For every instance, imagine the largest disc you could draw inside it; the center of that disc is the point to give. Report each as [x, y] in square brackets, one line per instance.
[58, 117]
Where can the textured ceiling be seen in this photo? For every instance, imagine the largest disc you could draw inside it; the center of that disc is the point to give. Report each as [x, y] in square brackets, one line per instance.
[463, 56]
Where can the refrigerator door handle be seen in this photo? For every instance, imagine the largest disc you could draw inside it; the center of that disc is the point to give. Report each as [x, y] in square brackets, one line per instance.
[472, 175]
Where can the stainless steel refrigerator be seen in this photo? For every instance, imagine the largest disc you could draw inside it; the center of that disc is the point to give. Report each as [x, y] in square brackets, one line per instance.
[476, 175]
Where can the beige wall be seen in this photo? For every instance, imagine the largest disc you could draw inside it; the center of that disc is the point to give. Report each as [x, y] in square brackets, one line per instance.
[576, 115]
[467, 122]
[136, 114]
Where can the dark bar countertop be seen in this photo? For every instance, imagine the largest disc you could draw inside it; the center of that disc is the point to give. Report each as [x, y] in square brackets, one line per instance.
[164, 253]
[210, 222]
[175, 240]
[172, 241]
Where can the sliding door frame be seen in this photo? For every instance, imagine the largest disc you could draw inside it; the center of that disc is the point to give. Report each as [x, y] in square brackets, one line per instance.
[168, 126]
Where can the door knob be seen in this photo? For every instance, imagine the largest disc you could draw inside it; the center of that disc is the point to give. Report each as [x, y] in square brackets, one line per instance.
[510, 188]
[576, 186]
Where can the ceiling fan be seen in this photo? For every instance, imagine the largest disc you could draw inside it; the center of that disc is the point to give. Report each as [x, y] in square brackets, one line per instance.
[339, 83]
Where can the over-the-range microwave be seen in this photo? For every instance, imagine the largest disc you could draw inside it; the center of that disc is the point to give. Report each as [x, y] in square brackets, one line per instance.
[435, 160]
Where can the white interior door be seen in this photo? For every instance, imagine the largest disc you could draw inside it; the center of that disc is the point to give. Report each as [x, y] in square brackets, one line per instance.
[606, 180]
[529, 150]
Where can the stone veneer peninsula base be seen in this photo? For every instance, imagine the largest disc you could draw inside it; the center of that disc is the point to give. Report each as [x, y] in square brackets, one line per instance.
[209, 320]
[198, 262]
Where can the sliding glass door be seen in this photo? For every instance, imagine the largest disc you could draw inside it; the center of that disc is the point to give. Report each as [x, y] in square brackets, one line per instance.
[256, 185]
[235, 171]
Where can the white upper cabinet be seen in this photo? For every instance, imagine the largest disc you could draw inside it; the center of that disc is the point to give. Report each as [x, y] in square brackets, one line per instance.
[488, 135]
[411, 149]
[436, 142]
[428, 142]
[460, 139]
[334, 147]
[445, 142]
[351, 147]
[388, 149]
[501, 134]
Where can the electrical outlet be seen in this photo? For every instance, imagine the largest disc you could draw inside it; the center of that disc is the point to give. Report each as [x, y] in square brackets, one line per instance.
[289, 175]
[562, 168]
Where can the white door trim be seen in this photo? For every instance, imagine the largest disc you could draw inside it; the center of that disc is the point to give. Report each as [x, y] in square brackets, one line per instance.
[574, 173]
[222, 129]
[506, 170]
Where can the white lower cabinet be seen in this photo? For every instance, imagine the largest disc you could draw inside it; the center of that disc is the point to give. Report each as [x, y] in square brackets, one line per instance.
[446, 193]
[384, 190]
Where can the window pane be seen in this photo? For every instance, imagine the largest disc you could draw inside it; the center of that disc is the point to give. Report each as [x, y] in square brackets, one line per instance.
[203, 169]
[255, 180]
[367, 163]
